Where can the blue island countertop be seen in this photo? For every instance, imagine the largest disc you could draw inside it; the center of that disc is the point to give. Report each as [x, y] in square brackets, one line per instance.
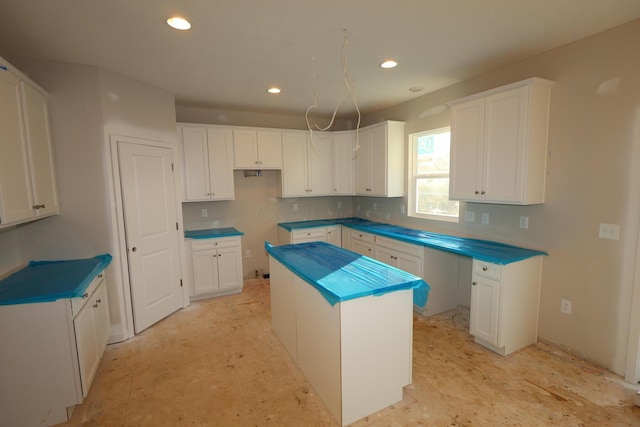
[47, 281]
[211, 233]
[341, 275]
[483, 250]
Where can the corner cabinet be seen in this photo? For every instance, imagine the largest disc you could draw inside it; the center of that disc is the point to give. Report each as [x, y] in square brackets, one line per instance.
[207, 152]
[216, 266]
[257, 148]
[27, 180]
[499, 144]
[504, 304]
[380, 160]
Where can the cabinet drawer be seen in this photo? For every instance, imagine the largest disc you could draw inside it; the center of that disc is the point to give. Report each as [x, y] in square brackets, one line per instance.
[359, 235]
[398, 246]
[487, 269]
[78, 303]
[309, 233]
[215, 243]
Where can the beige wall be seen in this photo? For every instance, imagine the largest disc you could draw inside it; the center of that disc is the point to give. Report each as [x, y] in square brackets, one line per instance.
[592, 178]
[594, 155]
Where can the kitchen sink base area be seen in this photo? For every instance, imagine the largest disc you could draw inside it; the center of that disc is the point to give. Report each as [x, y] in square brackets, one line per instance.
[218, 363]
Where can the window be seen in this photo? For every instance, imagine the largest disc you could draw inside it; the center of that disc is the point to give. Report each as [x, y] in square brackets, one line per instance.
[429, 176]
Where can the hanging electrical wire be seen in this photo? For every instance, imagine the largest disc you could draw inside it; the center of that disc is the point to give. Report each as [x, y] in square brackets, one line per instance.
[349, 93]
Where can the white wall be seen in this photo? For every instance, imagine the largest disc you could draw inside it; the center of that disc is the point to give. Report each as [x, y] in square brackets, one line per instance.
[86, 105]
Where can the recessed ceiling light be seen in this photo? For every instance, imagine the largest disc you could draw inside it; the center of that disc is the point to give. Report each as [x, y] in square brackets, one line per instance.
[179, 23]
[389, 64]
[274, 90]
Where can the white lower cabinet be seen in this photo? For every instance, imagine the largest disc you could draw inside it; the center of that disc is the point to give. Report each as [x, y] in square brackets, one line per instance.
[334, 235]
[504, 304]
[362, 243]
[217, 266]
[404, 256]
[92, 327]
[50, 354]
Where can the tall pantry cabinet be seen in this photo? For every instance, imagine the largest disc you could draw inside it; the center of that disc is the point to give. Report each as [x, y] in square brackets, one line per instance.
[27, 182]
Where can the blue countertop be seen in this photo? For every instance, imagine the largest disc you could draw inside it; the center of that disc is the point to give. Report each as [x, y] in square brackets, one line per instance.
[211, 233]
[341, 275]
[46, 281]
[484, 250]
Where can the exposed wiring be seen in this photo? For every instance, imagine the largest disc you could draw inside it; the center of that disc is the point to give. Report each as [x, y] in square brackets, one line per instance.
[348, 94]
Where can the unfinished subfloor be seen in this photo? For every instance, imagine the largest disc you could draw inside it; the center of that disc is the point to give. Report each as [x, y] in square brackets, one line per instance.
[217, 363]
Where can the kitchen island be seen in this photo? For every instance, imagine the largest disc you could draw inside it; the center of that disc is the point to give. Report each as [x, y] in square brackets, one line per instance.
[346, 320]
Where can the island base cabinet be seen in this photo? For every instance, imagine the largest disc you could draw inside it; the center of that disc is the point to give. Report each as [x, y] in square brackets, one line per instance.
[343, 349]
[504, 304]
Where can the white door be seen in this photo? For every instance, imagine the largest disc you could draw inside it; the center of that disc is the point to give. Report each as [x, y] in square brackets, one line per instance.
[150, 216]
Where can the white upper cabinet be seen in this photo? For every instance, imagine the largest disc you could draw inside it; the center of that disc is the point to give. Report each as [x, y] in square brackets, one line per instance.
[27, 181]
[208, 162]
[499, 144]
[380, 160]
[257, 149]
[344, 165]
[306, 165]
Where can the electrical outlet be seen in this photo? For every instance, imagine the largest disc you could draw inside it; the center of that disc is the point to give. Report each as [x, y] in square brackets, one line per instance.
[565, 306]
[609, 231]
[485, 218]
[470, 216]
[204, 213]
[375, 206]
[524, 222]
[295, 207]
[247, 253]
[339, 205]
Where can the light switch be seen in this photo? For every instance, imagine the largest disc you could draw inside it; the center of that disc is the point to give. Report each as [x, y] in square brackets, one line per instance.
[470, 216]
[524, 222]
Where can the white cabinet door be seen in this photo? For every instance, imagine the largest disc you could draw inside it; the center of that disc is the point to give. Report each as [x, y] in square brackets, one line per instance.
[92, 328]
[378, 170]
[320, 155]
[504, 145]
[220, 156]
[205, 271]
[196, 163]
[245, 149]
[363, 163]
[270, 149]
[362, 243]
[334, 235]
[27, 180]
[87, 346]
[16, 198]
[485, 310]
[295, 166]
[229, 268]
[41, 151]
[344, 166]
[467, 133]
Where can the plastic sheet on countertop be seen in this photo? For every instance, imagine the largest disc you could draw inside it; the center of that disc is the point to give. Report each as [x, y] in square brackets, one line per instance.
[212, 233]
[45, 281]
[341, 275]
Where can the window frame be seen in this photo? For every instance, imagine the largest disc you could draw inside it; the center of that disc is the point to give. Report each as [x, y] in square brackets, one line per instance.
[413, 177]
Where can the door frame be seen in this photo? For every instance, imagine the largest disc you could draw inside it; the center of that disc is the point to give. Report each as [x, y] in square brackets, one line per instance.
[118, 227]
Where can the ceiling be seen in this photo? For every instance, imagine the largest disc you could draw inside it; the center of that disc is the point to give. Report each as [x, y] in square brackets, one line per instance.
[236, 49]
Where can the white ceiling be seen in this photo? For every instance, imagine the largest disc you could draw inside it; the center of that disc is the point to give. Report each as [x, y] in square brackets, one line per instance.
[238, 48]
